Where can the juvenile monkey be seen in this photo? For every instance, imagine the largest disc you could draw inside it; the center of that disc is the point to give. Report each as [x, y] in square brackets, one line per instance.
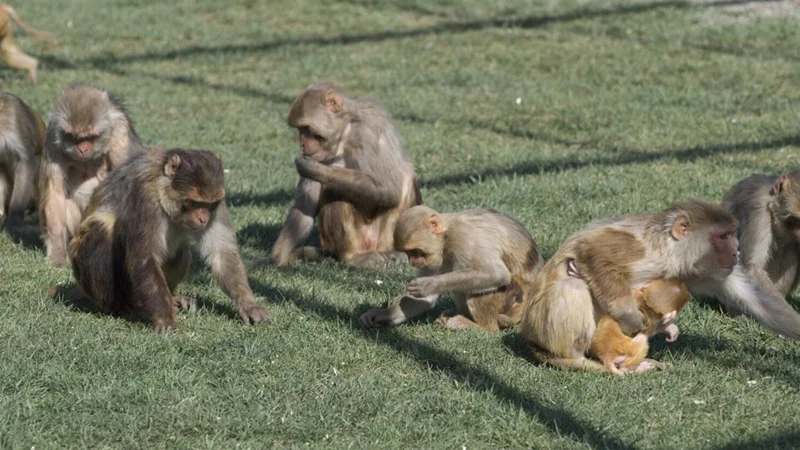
[768, 209]
[9, 50]
[660, 301]
[486, 259]
[693, 242]
[133, 246]
[21, 142]
[89, 134]
[355, 178]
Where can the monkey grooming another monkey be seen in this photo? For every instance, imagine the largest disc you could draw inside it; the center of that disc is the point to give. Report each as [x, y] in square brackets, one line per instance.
[768, 209]
[660, 301]
[487, 259]
[355, 178]
[9, 51]
[693, 242]
[133, 246]
[21, 142]
[89, 135]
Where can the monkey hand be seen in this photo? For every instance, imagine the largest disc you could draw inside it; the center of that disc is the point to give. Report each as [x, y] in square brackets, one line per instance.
[672, 332]
[164, 325]
[378, 317]
[631, 321]
[253, 314]
[185, 303]
[58, 259]
[421, 287]
[308, 167]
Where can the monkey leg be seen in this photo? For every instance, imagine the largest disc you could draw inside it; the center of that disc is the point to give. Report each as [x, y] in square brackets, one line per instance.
[175, 271]
[17, 59]
[23, 191]
[5, 191]
[93, 266]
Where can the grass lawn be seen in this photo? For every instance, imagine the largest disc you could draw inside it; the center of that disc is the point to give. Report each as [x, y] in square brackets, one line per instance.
[555, 112]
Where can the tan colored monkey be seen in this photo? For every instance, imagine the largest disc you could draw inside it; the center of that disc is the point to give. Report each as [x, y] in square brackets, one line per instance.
[21, 142]
[355, 179]
[89, 134]
[133, 247]
[9, 51]
[486, 259]
[693, 242]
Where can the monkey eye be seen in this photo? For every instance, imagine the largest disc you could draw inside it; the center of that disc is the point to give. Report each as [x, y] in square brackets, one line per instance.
[415, 253]
[727, 235]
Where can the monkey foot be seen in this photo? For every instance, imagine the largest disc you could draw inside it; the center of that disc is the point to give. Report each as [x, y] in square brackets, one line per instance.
[456, 323]
[165, 326]
[253, 314]
[650, 364]
[184, 303]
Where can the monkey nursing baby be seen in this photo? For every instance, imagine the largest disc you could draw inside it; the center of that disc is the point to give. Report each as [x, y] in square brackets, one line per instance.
[133, 245]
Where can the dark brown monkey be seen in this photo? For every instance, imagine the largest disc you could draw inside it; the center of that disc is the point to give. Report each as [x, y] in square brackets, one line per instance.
[133, 246]
[768, 209]
[486, 259]
[9, 51]
[89, 135]
[660, 301]
[355, 178]
[21, 143]
[693, 242]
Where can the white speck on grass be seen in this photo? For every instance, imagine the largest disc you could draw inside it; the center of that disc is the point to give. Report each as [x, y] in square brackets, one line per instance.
[699, 402]
[751, 382]
[519, 100]
[378, 282]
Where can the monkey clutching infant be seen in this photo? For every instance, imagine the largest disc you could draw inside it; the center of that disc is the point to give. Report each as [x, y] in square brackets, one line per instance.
[9, 51]
[355, 178]
[21, 142]
[133, 245]
[487, 259]
[693, 242]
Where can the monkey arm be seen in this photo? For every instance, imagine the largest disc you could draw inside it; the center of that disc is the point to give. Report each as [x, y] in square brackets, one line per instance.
[52, 213]
[404, 308]
[148, 283]
[465, 280]
[356, 186]
[299, 222]
[221, 251]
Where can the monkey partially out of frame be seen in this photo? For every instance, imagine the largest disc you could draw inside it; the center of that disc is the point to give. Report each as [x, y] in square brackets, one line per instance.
[10, 51]
[134, 245]
[355, 179]
[21, 142]
[693, 242]
[89, 135]
[486, 259]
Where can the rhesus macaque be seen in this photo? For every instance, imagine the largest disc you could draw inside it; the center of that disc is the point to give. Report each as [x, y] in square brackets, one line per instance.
[768, 209]
[133, 246]
[486, 259]
[693, 242]
[355, 178]
[9, 50]
[660, 301]
[89, 135]
[21, 143]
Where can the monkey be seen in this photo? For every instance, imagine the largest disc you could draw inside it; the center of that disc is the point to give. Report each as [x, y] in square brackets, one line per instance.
[693, 242]
[485, 258]
[133, 246]
[21, 143]
[9, 51]
[355, 179]
[88, 135]
[660, 301]
[768, 210]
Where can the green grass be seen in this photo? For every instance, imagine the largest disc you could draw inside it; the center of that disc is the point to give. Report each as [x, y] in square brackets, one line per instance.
[625, 107]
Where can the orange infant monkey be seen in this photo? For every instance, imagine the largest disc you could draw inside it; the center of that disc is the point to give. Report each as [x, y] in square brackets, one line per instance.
[660, 301]
[9, 50]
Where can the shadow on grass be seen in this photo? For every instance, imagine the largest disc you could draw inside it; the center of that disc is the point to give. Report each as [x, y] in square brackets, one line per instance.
[27, 235]
[258, 235]
[559, 422]
[785, 440]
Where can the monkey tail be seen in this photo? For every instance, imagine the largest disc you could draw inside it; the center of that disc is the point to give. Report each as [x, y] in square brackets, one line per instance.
[581, 363]
[33, 32]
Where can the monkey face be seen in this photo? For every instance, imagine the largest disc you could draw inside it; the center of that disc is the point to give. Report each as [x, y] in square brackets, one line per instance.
[196, 216]
[417, 258]
[81, 147]
[723, 253]
[312, 144]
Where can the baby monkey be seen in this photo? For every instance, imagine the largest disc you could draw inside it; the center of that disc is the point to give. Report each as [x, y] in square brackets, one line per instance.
[486, 259]
[133, 245]
[659, 301]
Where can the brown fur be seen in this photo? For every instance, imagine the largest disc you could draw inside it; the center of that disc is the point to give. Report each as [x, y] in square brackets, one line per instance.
[21, 142]
[67, 179]
[481, 256]
[10, 51]
[133, 247]
[561, 313]
[356, 179]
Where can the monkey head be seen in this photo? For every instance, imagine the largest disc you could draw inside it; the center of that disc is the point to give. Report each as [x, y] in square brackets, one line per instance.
[420, 233]
[320, 115]
[786, 202]
[705, 234]
[194, 188]
[86, 120]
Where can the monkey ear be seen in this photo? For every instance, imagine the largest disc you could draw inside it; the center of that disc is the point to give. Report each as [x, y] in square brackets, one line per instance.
[780, 185]
[435, 224]
[334, 101]
[172, 166]
[681, 227]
